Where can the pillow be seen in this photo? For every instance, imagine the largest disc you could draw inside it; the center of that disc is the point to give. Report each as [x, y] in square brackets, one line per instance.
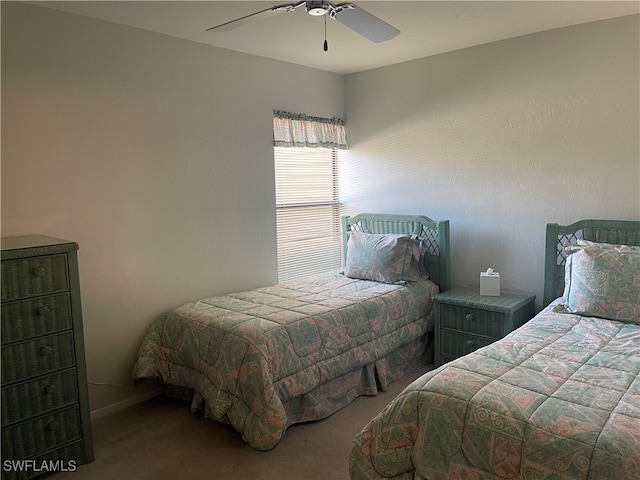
[387, 258]
[589, 243]
[603, 280]
[569, 248]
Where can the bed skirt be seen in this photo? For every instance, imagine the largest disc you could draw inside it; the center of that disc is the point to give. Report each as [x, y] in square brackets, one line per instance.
[332, 395]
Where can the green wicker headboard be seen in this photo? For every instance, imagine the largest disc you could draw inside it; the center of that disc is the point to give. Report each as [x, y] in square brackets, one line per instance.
[436, 234]
[624, 232]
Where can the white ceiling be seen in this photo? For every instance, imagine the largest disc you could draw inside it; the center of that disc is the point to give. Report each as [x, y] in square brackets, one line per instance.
[427, 27]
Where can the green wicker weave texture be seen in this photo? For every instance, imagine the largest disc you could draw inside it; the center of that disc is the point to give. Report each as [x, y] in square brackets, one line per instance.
[35, 317]
[36, 357]
[22, 401]
[45, 405]
[42, 433]
[34, 276]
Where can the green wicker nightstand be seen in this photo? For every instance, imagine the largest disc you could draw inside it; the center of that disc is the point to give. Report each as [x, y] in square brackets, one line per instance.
[45, 405]
[466, 321]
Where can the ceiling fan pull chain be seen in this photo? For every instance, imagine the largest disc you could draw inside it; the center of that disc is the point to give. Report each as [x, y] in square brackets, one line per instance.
[326, 44]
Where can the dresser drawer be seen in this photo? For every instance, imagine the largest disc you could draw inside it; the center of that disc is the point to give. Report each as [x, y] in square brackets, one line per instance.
[34, 276]
[456, 344]
[472, 320]
[35, 317]
[36, 357]
[40, 434]
[28, 399]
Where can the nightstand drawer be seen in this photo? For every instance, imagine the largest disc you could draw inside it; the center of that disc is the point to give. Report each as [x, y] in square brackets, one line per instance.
[456, 344]
[472, 320]
[36, 357]
[41, 434]
[24, 400]
[34, 276]
[35, 317]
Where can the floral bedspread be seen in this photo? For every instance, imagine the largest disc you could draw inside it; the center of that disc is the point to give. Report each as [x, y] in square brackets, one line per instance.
[248, 354]
[557, 399]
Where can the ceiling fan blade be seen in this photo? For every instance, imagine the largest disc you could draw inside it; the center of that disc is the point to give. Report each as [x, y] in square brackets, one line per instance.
[267, 12]
[366, 24]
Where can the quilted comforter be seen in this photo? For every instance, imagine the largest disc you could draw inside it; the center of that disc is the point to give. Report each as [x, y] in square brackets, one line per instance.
[264, 359]
[557, 399]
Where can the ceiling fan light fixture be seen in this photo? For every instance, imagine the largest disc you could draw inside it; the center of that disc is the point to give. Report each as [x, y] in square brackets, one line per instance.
[317, 9]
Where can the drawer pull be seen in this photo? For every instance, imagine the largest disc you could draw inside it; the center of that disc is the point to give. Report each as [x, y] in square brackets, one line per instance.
[39, 272]
[43, 310]
[468, 317]
[50, 389]
[46, 350]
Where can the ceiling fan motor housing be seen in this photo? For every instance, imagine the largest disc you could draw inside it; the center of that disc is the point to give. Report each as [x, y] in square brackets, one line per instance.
[318, 8]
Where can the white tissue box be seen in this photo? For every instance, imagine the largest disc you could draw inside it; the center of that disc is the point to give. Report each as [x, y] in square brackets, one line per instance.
[490, 284]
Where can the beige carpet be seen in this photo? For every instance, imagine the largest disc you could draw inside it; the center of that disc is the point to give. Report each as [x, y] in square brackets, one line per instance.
[161, 439]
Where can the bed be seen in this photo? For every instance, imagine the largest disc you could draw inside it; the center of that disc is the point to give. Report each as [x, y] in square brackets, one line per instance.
[265, 359]
[558, 398]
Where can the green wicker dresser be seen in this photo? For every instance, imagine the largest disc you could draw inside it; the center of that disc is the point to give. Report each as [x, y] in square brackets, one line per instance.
[465, 321]
[45, 406]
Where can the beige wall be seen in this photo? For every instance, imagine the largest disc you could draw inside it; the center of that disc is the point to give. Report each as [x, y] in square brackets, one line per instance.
[155, 155]
[501, 139]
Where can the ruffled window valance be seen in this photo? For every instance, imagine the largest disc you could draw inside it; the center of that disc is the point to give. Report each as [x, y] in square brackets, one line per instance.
[299, 130]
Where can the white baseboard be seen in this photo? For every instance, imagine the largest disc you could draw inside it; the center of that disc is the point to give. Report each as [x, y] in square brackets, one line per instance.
[116, 407]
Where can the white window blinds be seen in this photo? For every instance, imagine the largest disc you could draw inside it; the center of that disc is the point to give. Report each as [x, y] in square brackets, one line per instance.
[307, 211]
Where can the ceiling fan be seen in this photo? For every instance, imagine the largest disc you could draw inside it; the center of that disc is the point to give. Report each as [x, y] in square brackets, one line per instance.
[350, 15]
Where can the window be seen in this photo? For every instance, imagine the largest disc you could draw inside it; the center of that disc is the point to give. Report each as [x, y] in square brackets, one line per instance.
[307, 201]
[307, 211]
